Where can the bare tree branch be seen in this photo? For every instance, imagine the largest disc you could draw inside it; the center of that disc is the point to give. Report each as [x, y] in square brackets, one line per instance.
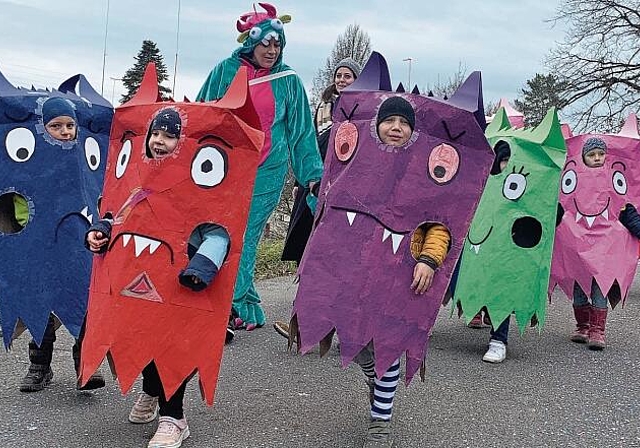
[598, 61]
[354, 43]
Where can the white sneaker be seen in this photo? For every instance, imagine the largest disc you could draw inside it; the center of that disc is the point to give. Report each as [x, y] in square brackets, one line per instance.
[497, 352]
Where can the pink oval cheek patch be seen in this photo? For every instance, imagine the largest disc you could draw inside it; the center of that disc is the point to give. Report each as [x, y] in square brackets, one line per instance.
[443, 163]
[346, 141]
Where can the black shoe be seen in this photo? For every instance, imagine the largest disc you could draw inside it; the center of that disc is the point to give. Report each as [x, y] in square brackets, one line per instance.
[37, 378]
[96, 381]
[231, 333]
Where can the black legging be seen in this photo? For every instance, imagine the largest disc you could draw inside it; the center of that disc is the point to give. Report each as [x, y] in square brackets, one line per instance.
[151, 385]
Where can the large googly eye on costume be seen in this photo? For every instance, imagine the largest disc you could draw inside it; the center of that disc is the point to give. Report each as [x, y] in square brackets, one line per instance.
[619, 183]
[92, 153]
[514, 186]
[443, 164]
[20, 144]
[569, 182]
[209, 167]
[255, 33]
[123, 158]
[346, 141]
[276, 24]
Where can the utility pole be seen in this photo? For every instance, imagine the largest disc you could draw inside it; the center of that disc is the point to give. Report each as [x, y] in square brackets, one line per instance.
[175, 65]
[409, 84]
[104, 52]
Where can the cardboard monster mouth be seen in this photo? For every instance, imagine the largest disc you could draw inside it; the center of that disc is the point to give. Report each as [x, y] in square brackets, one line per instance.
[590, 218]
[396, 238]
[141, 243]
[475, 246]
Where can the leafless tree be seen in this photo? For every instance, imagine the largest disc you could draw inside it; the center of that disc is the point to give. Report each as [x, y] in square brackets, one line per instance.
[599, 60]
[354, 43]
[446, 88]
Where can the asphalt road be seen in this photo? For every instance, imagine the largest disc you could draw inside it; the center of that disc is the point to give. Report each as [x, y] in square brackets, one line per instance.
[549, 392]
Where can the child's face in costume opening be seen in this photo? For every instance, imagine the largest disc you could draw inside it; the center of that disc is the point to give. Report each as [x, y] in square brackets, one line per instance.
[344, 78]
[503, 164]
[162, 143]
[394, 130]
[595, 158]
[265, 56]
[62, 128]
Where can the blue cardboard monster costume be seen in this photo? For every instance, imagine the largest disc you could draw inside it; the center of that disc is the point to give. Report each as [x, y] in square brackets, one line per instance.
[49, 190]
[356, 272]
[506, 261]
[281, 102]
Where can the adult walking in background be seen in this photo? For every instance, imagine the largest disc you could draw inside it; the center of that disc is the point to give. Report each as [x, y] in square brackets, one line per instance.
[301, 222]
[281, 102]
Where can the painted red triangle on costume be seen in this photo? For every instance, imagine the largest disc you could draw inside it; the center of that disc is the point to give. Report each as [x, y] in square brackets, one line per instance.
[142, 288]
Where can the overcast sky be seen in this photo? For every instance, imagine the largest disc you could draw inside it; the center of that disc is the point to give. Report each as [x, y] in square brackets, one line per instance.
[45, 42]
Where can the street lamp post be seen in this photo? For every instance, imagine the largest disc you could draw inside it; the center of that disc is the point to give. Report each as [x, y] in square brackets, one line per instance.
[409, 84]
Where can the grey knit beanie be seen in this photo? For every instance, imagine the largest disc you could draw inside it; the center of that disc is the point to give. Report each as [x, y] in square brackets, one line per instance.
[351, 65]
[594, 143]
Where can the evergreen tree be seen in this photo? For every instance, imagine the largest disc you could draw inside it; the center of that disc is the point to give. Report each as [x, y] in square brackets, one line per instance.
[541, 93]
[354, 43]
[133, 77]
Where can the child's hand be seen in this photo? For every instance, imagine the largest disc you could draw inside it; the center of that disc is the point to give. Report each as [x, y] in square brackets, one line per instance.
[422, 278]
[96, 240]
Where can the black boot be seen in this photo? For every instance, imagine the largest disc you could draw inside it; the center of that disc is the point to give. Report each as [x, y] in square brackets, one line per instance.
[96, 381]
[39, 375]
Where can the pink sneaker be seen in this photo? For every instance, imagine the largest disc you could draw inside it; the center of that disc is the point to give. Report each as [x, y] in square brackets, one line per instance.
[170, 433]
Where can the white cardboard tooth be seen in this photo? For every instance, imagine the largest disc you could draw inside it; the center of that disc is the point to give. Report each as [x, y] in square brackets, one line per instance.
[153, 246]
[590, 220]
[395, 241]
[350, 217]
[140, 243]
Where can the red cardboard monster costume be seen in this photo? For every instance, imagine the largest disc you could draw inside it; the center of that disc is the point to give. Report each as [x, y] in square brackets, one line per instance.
[138, 311]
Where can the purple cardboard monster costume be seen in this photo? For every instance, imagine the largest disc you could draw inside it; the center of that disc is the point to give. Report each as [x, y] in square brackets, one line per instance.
[356, 272]
[591, 243]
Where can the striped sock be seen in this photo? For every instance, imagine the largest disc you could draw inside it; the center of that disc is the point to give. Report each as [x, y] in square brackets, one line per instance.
[368, 368]
[385, 390]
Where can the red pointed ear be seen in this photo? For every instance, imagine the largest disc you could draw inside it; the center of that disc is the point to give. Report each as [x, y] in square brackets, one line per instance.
[148, 91]
[238, 99]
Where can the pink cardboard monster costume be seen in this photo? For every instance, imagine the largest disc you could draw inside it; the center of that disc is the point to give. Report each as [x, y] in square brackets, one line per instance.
[592, 245]
[138, 311]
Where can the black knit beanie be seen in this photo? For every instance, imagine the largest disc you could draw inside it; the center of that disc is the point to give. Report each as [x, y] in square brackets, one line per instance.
[397, 106]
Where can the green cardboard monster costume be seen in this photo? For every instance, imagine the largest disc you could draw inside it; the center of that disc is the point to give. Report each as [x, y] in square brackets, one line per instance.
[506, 258]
